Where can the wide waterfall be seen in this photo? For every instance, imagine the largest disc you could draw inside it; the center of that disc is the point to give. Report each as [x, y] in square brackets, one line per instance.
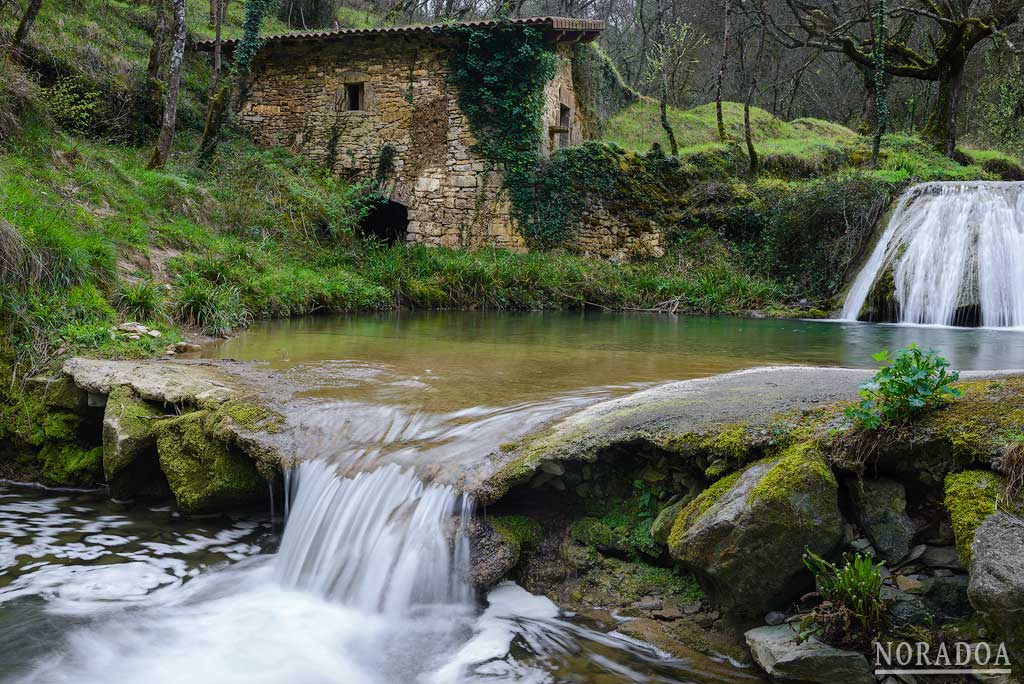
[955, 251]
[378, 541]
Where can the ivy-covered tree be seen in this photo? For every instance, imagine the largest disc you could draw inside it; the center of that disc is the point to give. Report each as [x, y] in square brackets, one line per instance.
[170, 116]
[256, 11]
[931, 41]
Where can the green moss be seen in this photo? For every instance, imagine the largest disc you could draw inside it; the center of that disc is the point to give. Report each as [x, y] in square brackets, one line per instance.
[977, 424]
[699, 506]
[593, 532]
[253, 417]
[203, 472]
[800, 467]
[519, 530]
[129, 431]
[71, 465]
[970, 498]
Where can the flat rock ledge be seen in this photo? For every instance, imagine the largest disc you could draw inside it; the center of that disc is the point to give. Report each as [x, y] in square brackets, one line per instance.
[670, 413]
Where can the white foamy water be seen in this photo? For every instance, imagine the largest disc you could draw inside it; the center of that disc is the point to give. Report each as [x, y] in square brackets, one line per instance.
[382, 541]
[951, 245]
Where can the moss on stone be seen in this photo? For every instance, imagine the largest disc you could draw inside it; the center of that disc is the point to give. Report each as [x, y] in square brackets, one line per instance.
[70, 465]
[253, 417]
[699, 506]
[203, 472]
[519, 530]
[799, 467]
[970, 498]
[981, 423]
[593, 532]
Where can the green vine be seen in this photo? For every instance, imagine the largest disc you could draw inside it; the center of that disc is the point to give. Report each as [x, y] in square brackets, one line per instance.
[501, 72]
[255, 12]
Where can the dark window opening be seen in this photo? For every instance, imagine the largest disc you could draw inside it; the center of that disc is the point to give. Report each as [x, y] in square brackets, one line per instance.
[353, 96]
[564, 122]
[387, 222]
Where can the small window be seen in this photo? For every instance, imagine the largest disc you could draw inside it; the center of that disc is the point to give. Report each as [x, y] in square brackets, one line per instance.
[354, 97]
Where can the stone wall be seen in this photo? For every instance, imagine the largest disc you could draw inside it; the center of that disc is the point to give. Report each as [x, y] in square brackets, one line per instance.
[297, 98]
[600, 232]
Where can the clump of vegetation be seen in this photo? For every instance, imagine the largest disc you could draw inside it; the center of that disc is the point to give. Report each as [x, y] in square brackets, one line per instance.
[970, 497]
[910, 382]
[140, 301]
[852, 609]
[214, 308]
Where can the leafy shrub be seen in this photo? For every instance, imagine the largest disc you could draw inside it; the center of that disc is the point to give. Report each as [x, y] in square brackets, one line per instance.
[908, 383]
[851, 594]
[71, 105]
[216, 309]
[141, 301]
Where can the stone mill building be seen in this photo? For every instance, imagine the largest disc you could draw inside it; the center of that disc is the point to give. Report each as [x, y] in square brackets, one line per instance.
[379, 105]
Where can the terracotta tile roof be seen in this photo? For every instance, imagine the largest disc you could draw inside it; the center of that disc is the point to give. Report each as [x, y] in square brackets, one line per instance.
[574, 29]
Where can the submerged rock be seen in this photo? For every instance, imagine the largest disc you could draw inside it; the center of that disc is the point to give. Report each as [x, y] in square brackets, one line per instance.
[204, 473]
[785, 658]
[745, 536]
[997, 578]
[130, 461]
[881, 507]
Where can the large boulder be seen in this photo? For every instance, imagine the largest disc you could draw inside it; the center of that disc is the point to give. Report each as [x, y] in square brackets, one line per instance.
[780, 653]
[881, 507]
[997, 578]
[744, 537]
[206, 474]
[129, 445]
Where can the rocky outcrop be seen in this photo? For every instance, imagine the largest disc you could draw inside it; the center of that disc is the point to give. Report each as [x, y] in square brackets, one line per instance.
[130, 465]
[881, 508]
[745, 536]
[496, 544]
[997, 578]
[716, 419]
[788, 659]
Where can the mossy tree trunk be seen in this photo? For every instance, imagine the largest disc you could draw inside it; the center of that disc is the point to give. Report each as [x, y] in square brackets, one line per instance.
[163, 143]
[941, 127]
[25, 25]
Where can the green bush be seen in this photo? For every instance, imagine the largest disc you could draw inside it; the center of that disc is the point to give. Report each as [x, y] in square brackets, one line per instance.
[908, 383]
[141, 301]
[852, 596]
[71, 105]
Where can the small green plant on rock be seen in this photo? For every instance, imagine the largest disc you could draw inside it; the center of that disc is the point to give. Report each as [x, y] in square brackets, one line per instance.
[909, 383]
[852, 607]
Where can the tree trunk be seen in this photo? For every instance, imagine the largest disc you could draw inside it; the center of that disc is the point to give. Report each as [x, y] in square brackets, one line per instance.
[218, 63]
[662, 41]
[665, 123]
[25, 25]
[722, 135]
[748, 135]
[941, 127]
[214, 121]
[163, 143]
[157, 47]
[879, 81]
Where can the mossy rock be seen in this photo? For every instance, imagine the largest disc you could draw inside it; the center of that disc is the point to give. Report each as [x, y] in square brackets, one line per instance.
[69, 465]
[205, 474]
[130, 461]
[744, 537]
[498, 544]
[59, 393]
[970, 498]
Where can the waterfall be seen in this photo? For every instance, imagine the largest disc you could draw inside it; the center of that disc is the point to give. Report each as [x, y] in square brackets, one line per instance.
[951, 247]
[381, 541]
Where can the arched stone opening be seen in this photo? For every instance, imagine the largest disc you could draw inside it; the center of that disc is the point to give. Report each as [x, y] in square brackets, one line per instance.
[387, 222]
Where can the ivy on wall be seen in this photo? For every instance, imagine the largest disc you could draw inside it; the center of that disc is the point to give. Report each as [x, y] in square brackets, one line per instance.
[501, 72]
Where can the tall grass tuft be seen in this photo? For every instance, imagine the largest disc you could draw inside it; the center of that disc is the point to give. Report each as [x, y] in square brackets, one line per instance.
[211, 307]
[141, 301]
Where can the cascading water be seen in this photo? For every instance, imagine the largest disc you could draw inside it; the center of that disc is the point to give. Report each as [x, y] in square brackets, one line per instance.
[378, 541]
[952, 249]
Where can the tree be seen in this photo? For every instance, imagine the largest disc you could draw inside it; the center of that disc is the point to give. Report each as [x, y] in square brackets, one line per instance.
[25, 25]
[722, 135]
[255, 12]
[669, 64]
[163, 143]
[878, 74]
[932, 42]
